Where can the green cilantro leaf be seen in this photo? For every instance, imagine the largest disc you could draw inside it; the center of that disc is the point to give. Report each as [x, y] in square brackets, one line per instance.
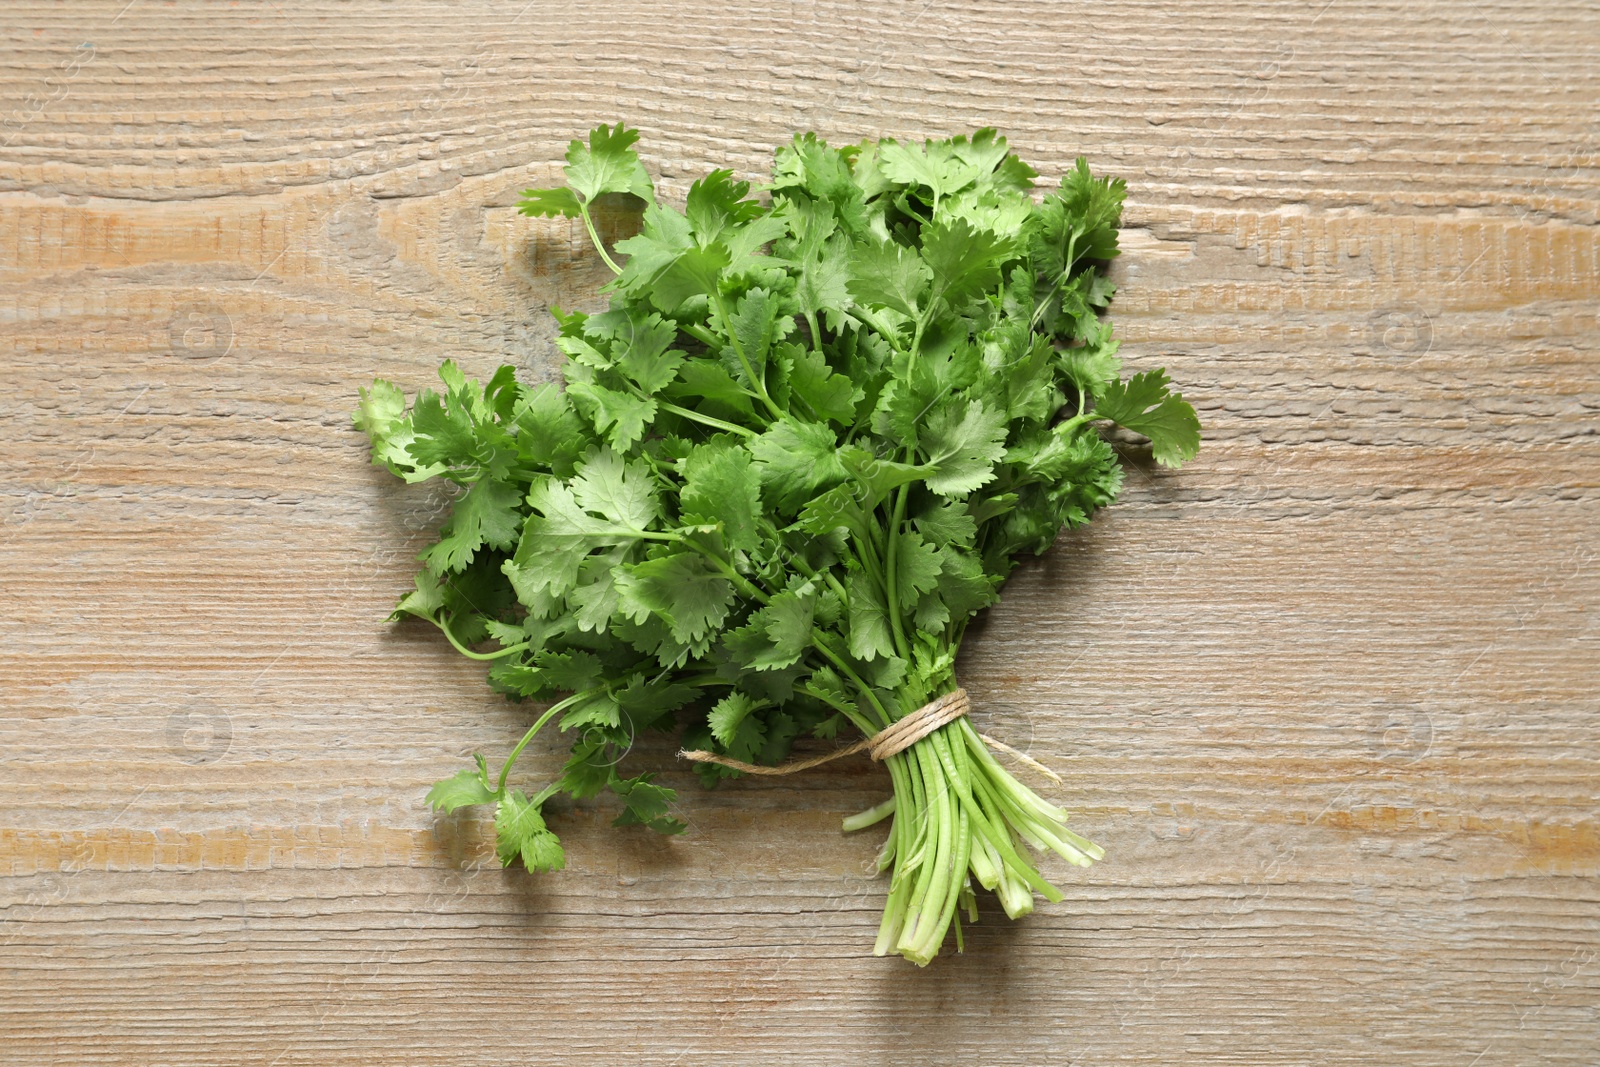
[963, 442]
[721, 486]
[464, 788]
[1145, 405]
[646, 804]
[728, 714]
[870, 636]
[778, 634]
[489, 513]
[826, 395]
[683, 589]
[607, 164]
[890, 276]
[795, 457]
[964, 261]
[520, 834]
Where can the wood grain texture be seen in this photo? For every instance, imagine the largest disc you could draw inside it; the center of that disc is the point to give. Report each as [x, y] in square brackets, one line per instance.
[1327, 696]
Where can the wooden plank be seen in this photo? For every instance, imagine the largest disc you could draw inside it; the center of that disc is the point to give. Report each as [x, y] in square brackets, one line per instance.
[1327, 695]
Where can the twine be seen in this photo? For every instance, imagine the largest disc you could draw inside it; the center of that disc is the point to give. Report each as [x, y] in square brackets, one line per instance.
[896, 737]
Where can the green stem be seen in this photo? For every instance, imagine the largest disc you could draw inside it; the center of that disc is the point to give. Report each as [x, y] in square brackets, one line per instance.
[891, 578]
[706, 420]
[744, 361]
[1082, 418]
[875, 814]
[849, 671]
[740, 582]
[816, 332]
[550, 713]
[465, 651]
[1066, 276]
[869, 560]
[588, 224]
[892, 550]
[703, 335]
[838, 588]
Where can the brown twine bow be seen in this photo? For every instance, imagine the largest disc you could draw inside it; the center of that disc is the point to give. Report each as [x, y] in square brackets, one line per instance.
[894, 738]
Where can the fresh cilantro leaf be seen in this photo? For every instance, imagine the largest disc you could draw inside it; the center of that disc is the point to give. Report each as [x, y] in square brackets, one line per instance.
[947, 522]
[917, 570]
[607, 505]
[607, 164]
[595, 707]
[964, 261]
[933, 165]
[548, 432]
[381, 415]
[573, 670]
[963, 442]
[795, 457]
[646, 804]
[646, 700]
[589, 770]
[489, 513]
[643, 342]
[755, 325]
[727, 715]
[778, 634]
[663, 237]
[717, 204]
[694, 271]
[890, 276]
[826, 395]
[464, 788]
[620, 491]
[721, 486]
[683, 589]
[1094, 366]
[622, 417]
[870, 636]
[711, 381]
[550, 202]
[1144, 404]
[520, 834]
[424, 601]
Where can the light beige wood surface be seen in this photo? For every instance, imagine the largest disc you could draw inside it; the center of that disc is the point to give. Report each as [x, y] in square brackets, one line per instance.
[1327, 696]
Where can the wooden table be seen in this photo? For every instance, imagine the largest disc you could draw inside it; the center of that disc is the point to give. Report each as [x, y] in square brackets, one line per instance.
[1327, 696]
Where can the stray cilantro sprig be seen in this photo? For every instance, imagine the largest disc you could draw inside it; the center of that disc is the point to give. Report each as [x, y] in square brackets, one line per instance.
[802, 448]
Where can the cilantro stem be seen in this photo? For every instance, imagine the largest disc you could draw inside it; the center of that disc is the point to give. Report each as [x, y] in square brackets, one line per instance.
[1082, 418]
[706, 420]
[1066, 275]
[703, 335]
[874, 814]
[891, 579]
[897, 519]
[853, 714]
[869, 559]
[744, 361]
[501, 654]
[740, 582]
[551, 712]
[838, 661]
[588, 224]
[816, 332]
[837, 587]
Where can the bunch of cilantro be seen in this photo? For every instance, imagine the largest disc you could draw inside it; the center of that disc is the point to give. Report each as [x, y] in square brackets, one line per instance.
[802, 448]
